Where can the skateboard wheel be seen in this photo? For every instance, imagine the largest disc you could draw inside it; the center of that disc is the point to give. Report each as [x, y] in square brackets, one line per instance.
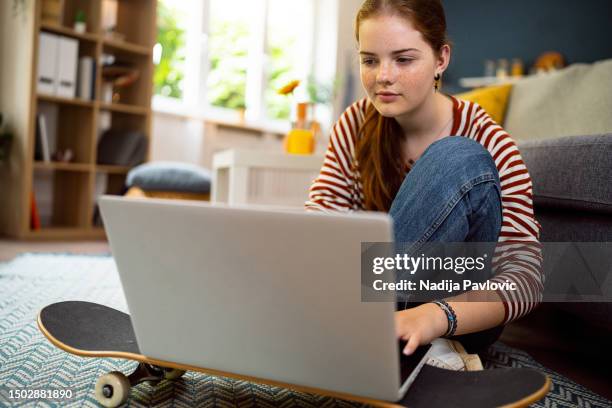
[173, 373]
[112, 389]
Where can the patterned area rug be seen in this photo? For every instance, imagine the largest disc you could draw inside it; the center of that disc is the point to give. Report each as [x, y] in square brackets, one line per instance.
[27, 359]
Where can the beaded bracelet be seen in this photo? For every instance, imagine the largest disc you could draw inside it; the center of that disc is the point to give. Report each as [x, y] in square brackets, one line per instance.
[450, 316]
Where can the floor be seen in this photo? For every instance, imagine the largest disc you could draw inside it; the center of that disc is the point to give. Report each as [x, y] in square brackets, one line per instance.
[567, 345]
[556, 339]
[10, 249]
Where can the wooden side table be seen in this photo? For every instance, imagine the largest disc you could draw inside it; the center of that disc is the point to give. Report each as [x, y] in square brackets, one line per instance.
[243, 176]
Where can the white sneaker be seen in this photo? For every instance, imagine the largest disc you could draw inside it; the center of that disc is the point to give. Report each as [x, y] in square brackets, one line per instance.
[450, 355]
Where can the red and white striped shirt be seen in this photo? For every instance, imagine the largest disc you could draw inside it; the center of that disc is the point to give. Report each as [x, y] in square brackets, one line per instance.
[338, 188]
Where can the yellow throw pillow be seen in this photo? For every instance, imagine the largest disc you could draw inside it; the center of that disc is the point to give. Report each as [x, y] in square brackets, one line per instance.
[493, 99]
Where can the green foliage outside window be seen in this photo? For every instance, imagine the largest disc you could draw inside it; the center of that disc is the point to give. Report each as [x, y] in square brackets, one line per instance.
[228, 57]
[169, 75]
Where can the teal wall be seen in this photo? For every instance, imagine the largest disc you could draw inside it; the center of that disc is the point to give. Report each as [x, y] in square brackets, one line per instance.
[581, 30]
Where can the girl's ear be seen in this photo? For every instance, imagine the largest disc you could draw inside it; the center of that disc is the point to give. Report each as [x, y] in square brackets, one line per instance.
[444, 57]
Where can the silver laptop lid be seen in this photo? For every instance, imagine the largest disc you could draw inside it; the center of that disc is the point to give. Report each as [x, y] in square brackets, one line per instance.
[268, 294]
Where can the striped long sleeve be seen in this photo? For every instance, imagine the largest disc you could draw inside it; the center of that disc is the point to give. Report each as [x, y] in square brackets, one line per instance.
[338, 186]
[518, 255]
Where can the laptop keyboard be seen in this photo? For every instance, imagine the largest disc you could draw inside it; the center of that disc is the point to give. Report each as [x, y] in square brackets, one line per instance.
[409, 363]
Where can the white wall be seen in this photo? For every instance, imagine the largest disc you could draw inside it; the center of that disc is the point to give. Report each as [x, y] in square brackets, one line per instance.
[347, 58]
[177, 138]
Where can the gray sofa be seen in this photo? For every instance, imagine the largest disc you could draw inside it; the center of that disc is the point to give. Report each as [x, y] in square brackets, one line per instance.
[563, 125]
[572, 187]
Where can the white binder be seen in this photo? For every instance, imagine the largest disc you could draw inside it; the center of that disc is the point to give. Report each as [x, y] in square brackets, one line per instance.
[67, 67]
[48, 46]
[86, 78]
[44, 138]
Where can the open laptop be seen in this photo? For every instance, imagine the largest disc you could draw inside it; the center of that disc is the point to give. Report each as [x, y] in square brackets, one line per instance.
[263, 293]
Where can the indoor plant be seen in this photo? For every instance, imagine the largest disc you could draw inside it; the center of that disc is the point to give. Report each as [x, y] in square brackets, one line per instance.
[80, 22]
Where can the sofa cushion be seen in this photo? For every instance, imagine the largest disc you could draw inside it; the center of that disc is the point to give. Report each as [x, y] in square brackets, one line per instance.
[493, 99]
[571, 172]
[576, 100]
[170, 176]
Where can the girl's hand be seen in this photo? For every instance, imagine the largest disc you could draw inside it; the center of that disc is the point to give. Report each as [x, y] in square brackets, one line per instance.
[420, 325]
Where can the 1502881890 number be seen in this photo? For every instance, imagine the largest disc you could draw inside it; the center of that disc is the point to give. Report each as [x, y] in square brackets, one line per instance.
[23, 394]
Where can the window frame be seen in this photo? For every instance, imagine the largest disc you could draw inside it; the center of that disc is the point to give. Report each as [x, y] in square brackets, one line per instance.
[194, 103]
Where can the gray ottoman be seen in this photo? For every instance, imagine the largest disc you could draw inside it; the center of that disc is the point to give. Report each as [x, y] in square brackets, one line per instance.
[169, 180]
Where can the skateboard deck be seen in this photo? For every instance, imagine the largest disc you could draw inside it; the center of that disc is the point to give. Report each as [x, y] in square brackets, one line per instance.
[92, 330]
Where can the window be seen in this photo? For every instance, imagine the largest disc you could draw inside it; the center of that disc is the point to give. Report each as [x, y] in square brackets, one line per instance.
[289, 51]
[169, 53]
[233, 54]
[228, 52]
[178, 53]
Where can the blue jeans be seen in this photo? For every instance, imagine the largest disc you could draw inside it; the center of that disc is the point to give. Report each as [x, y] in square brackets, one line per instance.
[452, 194]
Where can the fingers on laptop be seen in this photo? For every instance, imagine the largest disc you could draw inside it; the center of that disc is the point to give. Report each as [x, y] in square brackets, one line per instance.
[413, 343]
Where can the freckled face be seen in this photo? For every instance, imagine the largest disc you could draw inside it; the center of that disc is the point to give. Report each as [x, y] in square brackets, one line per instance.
[397, 64]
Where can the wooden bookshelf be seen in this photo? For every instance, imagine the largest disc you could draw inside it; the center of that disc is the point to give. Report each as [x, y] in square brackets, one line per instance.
[112, 169]
[66, 101]
[123, 46]
[59, 233]
[74, 186]
[123, 108]
[39, 165]
[69, 32]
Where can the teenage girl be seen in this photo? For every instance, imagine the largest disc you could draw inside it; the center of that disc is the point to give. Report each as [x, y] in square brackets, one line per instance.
[440, 166]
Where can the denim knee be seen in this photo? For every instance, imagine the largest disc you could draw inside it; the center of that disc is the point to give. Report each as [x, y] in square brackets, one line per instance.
[459, 152]
[453, 162]
[448, 170]
[457, 162]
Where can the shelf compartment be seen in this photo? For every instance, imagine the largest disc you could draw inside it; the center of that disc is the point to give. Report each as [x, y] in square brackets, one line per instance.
[141, 11]
[62, 198]
[91, 8]
[123, 141]
[70, 126]
[124, 121]
[138, 93]
[87, 49]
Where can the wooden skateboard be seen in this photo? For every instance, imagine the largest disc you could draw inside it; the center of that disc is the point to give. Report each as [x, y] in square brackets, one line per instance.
[92, 330]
